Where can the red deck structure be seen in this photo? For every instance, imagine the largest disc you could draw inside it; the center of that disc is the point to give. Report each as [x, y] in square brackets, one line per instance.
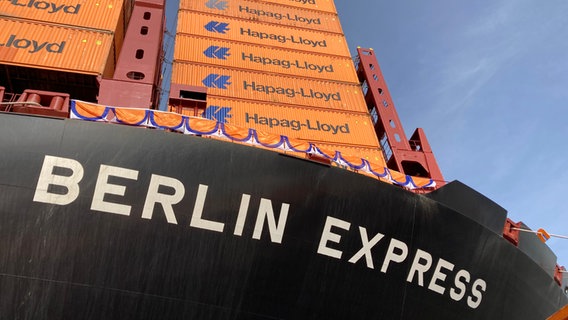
[413, 157]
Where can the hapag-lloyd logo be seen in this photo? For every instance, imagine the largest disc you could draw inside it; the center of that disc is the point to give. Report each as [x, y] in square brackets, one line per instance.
[50, 7]
[33, 46]
[297, 125]
[284, 39]
[279, 16]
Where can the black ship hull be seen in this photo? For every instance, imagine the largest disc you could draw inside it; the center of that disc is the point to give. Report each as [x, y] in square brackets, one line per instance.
[101, 221]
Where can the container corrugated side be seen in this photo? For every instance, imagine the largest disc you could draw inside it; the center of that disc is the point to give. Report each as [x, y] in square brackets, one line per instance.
[226, 28]
[100, 14]
[243, 84]
[271, 13]
[54, 47]
[296, 121]
[321, 5]
[255, 57]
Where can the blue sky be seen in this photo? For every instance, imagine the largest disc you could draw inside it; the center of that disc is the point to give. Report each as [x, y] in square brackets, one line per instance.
[488, 82]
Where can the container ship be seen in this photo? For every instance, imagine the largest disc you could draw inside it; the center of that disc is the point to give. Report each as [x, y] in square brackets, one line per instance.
[273, 180]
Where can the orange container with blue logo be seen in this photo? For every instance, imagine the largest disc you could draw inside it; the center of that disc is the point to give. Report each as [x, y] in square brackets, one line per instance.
[244, 84]
[265, 34]
[275, 13]
[310, 124]
[234, 54]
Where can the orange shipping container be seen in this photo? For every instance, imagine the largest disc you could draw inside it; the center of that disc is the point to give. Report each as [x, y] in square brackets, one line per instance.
[271, 13]
[54, 47]
[271, 88]
[225, 28]
[311, 124]
[322, 5]
[100, 14]
[254, 57]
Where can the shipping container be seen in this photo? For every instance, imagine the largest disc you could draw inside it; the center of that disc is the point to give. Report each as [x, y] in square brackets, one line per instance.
[270, 13]
[255, 57]
[54, 47]
[249, 31]
[294, 121]
[243, 84]
[321, 5]
[101, 14]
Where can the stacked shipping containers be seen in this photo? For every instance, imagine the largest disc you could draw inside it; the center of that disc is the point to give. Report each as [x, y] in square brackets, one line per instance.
[79, 36]
[281, 67]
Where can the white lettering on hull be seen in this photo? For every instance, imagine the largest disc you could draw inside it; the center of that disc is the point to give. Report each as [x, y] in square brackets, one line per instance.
[59, 183]
[64, 189]
[398, 252]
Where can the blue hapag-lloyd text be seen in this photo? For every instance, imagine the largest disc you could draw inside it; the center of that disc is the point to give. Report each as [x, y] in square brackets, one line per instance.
[287, 64]
[297, 125]
[283, 39]
[280, 16]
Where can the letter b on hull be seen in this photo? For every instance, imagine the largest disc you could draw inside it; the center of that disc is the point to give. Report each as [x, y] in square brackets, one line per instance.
[69, 183]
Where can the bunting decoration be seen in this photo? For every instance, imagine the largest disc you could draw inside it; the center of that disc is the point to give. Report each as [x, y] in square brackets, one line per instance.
[204, 127]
